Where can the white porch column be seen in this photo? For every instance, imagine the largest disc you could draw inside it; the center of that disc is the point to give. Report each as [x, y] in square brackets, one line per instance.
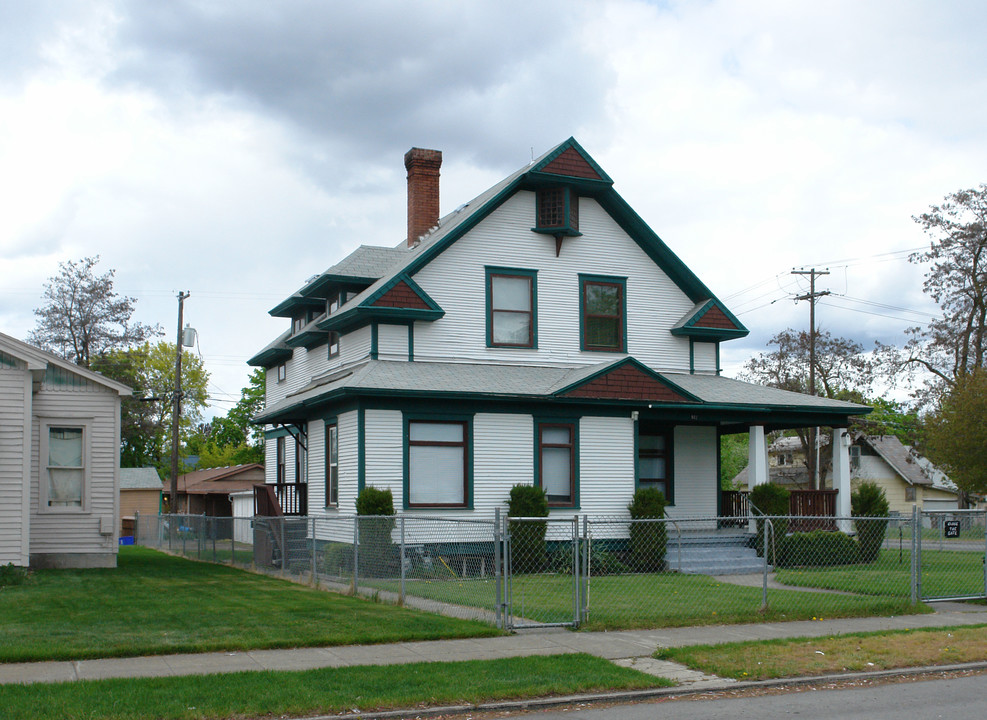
[841, 475]
[757, 458]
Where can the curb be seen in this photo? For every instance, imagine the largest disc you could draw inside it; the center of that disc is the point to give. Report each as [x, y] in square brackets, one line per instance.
[634, 695]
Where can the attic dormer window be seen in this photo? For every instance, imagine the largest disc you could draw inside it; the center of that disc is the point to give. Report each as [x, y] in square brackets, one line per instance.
[558, 211]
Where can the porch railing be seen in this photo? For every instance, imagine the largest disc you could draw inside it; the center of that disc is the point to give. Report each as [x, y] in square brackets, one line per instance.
[275, 499]
[812, 509]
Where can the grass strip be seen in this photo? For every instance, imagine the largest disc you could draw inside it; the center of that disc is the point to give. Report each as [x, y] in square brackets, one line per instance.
[329, 690]
[154, 604]
[854, 652]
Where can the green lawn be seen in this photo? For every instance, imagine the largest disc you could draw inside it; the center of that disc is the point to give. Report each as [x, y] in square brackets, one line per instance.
[944, 573]
[655, 600]
[156, 604]
[331, 690]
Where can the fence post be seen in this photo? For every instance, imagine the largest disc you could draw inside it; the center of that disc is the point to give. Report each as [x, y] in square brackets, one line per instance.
[401, 563]
[575, 570]
[498, 589]
[985, 552]
[233, 541]
[284, 550]
[916, 545]
[137, 518]
[764, 583]
[356, 554]
[584, 610]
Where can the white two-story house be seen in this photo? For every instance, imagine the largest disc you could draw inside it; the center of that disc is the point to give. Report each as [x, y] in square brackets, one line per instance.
[540, 333]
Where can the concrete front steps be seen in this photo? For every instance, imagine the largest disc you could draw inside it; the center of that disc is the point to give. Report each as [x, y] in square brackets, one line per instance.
[720, 553]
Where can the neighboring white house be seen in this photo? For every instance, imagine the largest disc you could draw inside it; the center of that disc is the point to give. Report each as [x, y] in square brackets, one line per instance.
[59, 460]
[540, 333]
[907, 478]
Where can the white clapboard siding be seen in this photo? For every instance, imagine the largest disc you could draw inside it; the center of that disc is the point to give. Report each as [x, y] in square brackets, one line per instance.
[392, 342]
[456, 281]
[70, 532]
[696, 481]
[15, 453]
[503, 456]
[316, 478]
[704, 357]
[326, 527]
[385, 452]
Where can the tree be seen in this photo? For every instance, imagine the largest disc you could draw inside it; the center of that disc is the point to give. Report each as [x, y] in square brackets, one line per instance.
[955, 344]
[233, 440]
[956, 433]
[733, 458]
[888, 417]
[146, 416]
[843, 371]
[83, 317]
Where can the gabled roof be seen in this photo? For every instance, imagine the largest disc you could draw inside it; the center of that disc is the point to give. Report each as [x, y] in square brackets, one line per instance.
[221, 480]
[38, 361]
[400, 298]
[275, 353]
[144, 478]
[568, 164]
[903, 461]
[710, 320]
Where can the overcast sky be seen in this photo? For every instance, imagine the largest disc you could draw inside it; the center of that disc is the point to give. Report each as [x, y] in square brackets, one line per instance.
[234, 149]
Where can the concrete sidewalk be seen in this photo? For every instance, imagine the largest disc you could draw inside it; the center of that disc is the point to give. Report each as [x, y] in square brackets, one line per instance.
[629, 647]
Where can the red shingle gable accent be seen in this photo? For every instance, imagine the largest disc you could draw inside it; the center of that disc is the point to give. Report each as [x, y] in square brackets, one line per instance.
[401, 296]
[626, 383]
[714, 318]
[571, 163]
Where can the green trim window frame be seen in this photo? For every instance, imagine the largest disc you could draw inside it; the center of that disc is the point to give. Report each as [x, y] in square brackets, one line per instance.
[602, 313]
[280, 464]
[512, 307]
[438, 462]
[333, 344]
[301, 454]
[655, 462]
[332, 464]
[557, 209]
[65, 448]
[557, 461]
[282, 372]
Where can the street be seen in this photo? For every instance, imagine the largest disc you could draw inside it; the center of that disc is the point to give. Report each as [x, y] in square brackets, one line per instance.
[952, 697]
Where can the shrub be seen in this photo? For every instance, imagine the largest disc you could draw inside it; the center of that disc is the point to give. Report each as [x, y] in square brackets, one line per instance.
[869, 501]
[527, 538]
[648, 539]
[772, 500]
[817, 548]
[11, 574]
[378, 557]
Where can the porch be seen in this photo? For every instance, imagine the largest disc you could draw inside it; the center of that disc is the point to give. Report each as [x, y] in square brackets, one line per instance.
[809, 509]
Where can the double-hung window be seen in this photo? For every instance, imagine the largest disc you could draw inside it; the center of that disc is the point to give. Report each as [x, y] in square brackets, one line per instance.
[332, 465]
[603, 316]
[654, 463]
[301, 454]
[333, 344]
[279, 444]
[65, 466]
[511, 308]
[438, 463]
[556, 473]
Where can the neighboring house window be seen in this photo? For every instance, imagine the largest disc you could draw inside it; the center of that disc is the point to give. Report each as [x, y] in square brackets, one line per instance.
[332, 465]
[65, 467]
[557, 463]
[511, 308]
[654, 463]
[301, 455]
[910, 493]
[282, 372]
[333, 344]
[602, 316]
[280, 447]
[437, 470]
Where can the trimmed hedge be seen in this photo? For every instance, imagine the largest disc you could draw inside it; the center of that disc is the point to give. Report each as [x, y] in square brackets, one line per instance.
[378, 554]
[648, 540]
[869, 501]
[528, 552]
[772, 500]
[817, 548]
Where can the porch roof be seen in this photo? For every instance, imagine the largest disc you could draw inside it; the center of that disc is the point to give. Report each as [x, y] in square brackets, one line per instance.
[712, 398]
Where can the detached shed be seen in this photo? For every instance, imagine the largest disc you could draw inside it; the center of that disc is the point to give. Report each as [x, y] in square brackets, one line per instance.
[140, 491]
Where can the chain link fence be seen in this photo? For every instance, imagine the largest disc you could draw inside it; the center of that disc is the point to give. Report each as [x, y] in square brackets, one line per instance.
[604, 572]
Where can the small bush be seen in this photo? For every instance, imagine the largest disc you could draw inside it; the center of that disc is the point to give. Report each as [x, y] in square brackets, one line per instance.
[527, 538]
[817, 548]
[378, 555]
[648, 539]
[869, 501]
[772, 500]
[11, 574]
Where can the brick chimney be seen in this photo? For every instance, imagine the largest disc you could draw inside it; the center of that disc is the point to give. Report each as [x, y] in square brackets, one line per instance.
[423, 191]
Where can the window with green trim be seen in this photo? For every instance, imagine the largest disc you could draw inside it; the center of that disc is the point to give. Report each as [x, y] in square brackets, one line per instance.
[557, 208]
[557, 463]
[511, 308]
[332, 465]
[603, 314]
[654, 463]
[333, 344]
[437, 471]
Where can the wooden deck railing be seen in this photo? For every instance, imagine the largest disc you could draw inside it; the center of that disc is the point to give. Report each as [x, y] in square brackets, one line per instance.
[278, 499]
[815, 509]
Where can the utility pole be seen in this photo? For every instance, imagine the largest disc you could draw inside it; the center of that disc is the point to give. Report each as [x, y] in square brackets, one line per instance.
[176, 408]
[811, 297]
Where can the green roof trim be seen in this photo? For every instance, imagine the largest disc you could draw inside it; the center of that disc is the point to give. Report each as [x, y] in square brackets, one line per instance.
[289, 307]
[366, 312]
[571, 143]
[322, 286]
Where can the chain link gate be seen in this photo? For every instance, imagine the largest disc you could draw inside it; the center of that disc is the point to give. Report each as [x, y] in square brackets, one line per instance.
[542, 572]
[950, 550]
